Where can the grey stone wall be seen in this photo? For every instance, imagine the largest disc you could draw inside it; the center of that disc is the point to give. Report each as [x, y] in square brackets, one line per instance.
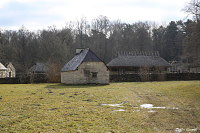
[87, 73]
[3, 73]
[10, 71]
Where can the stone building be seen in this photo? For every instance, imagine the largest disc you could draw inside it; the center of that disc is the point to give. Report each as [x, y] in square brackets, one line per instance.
[3, 71]
[40, 68]
[85, 68]
[8, 72]
[38, 73]
[183, 67]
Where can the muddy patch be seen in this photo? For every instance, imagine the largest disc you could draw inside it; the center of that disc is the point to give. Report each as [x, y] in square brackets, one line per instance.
[72, 114]
[53, 109]
[35, 104]
[87, 100]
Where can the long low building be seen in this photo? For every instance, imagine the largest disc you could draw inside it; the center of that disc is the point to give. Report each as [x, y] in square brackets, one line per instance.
[131, 64]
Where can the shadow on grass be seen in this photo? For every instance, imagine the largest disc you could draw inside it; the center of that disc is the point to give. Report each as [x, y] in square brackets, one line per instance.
[62, 86]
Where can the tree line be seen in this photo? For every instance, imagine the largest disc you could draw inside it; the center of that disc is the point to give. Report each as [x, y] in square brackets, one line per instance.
[178, 40]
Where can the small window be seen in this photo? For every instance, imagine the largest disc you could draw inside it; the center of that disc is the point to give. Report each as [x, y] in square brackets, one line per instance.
[94, 74]
[86, 73]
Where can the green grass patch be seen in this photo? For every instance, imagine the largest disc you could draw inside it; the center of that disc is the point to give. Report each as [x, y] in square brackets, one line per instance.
[62, 108]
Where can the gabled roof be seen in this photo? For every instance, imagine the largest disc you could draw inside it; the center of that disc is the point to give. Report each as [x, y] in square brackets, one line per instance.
[138, 61]
[2, 67]
[39, 67]
[85, 55]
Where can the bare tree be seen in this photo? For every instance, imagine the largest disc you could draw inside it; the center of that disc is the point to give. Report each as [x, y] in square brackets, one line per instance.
[193, 7]
[82, 29]
[53, 71]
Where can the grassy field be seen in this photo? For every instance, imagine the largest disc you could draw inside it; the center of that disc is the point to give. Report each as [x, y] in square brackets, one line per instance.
[106, 109]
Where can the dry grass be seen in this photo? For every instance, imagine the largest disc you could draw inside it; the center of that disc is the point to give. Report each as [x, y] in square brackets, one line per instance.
[60, 108]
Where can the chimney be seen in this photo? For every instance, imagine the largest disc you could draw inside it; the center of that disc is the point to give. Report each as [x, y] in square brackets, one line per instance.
[79, 50]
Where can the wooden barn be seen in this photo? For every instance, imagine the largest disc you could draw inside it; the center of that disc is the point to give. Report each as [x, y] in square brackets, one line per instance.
[85, 68]
[40, 68]
[141, 62]
[38, 73]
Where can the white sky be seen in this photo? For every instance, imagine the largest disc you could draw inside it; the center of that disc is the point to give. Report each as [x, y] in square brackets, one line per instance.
[39, 14]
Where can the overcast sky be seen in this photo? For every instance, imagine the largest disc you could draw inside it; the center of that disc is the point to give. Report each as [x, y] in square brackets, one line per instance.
[39, 14]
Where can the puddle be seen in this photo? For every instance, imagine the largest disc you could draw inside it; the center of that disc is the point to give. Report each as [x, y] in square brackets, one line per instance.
[113, 105]
[173, 108]
[151, 106]
[160, 107]
[151, 111]
[136, 110]
[119, 110]
[147, 106]
[192, 130]
[179, 130]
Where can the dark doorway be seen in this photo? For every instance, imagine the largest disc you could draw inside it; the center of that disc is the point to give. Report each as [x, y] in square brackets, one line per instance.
[10, 74]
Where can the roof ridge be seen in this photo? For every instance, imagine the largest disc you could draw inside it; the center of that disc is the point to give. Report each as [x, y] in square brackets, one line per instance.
[2, 67]
[86, 55]
[138, 61]
[138, 53]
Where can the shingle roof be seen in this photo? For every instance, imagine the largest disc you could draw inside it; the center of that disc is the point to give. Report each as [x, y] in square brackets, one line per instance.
[2, 67]
[84, 56]
[138, 61]
[39, 67]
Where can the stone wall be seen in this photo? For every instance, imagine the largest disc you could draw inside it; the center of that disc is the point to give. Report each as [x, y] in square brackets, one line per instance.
[87, 73]
[3, 73]
[10, 71]
[9, 81]
[38, 78]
